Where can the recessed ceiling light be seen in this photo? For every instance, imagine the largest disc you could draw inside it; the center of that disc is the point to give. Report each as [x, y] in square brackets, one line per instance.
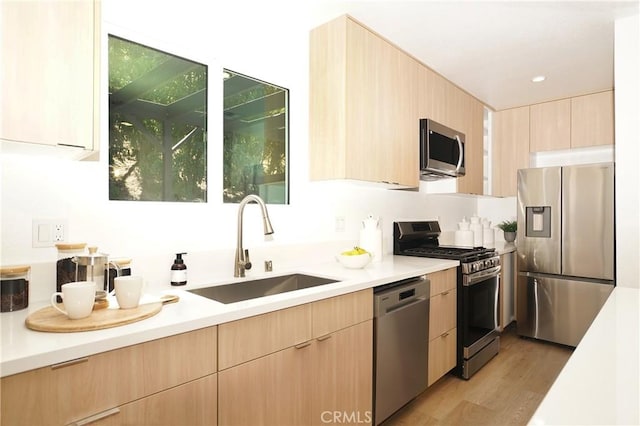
[538, 78]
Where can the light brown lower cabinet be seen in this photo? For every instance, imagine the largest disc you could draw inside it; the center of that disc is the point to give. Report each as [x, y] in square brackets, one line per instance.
[308, 364]
[311, 383]
[82, 388]
[442, 324]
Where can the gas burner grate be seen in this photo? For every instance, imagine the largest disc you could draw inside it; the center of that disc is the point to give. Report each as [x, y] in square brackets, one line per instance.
[456, 253]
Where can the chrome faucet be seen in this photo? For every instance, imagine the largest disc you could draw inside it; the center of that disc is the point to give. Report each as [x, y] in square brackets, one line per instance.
[242, 256]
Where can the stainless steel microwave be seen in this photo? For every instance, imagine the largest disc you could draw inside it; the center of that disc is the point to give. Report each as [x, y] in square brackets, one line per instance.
[441, 151]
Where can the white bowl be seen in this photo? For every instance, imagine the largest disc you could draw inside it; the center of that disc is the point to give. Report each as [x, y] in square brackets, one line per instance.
[357, 261]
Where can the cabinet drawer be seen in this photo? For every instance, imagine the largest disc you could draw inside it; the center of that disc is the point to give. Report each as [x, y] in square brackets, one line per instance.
[193, 403]
[339, 312]
[442, 355]
[250, 338]
[443, 280]
[70, 391]
[442, 313]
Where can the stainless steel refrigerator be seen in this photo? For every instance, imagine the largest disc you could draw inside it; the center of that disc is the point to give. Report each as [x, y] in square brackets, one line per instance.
[565, 247]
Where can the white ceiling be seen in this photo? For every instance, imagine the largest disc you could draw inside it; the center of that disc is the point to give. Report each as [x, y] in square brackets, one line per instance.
[492, 49]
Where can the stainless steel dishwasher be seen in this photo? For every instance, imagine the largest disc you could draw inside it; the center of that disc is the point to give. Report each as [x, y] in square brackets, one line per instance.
[401, 337]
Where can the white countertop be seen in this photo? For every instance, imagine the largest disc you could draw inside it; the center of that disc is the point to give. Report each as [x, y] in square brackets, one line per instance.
[23, 349]
[600, 384]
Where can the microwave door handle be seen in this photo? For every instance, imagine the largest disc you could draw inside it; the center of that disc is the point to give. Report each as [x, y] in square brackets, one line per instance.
[460, 155]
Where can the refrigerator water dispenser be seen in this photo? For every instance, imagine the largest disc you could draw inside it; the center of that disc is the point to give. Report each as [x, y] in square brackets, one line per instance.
[538, 222]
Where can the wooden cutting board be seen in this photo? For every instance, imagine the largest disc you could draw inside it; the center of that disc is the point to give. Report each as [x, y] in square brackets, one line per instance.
[49, 319]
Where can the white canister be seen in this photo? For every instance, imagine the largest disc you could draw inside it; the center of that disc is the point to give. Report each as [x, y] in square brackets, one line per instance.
[477, 234]
[488, 236]
[371, 237]
[464, 238]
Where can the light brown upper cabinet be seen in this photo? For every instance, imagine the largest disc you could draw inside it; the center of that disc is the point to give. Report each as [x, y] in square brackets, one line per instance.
[510, 149]
[50, 68]
[363, 106]
[576, 122]
[592, 120]
[366, 99]
[551, 125]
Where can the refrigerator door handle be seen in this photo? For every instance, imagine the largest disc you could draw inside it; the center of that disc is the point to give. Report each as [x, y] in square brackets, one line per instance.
[536, 306]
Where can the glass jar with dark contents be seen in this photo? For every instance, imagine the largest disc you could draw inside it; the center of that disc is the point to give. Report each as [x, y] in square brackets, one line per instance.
[66, 267]
[14, 287]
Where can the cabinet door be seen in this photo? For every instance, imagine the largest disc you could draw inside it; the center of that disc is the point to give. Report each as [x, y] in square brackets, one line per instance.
[194, 403]
[592, 120]
[363, 106]
[341, 376]
[381, 109]
[442, 355]
[272, 390]
[550, 126]
[510, 149]
[48, 72]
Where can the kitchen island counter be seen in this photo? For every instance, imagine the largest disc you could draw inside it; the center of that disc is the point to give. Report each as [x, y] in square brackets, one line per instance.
[24, 349]
[600, 384]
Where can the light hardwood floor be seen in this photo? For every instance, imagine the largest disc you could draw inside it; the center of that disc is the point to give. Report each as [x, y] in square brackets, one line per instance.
[506, 391]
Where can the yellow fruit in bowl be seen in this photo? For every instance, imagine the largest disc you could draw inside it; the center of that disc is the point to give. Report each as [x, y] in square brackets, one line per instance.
[356, 251]
[354, 259]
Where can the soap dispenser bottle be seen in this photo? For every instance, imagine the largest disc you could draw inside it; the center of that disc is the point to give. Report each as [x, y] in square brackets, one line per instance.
[179, 271]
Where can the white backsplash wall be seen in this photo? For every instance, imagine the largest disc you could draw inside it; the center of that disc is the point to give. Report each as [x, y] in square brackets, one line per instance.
[498, 209]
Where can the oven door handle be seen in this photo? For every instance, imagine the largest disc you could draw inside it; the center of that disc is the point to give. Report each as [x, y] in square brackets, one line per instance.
[476, 277]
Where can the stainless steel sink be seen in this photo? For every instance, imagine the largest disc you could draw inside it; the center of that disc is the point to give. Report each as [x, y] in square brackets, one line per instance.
[245, 290]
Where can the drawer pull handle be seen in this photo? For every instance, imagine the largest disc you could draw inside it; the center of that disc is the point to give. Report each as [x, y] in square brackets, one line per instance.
[445, 293]
[69, 363]
[323, 338]
[302, 345]
[96, 417]
[444, 334]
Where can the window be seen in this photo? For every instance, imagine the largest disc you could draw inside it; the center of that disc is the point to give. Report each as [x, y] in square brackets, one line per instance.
[256, 140]
[157, 125]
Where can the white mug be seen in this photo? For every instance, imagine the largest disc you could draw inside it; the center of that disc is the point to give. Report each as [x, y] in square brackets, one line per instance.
[128, 290]
[77, 297]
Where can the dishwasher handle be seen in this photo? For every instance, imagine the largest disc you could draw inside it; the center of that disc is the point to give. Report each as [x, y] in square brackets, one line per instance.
[401, 307]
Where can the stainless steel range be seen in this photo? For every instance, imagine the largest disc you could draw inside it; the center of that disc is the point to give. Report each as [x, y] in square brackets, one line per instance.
[477, 288]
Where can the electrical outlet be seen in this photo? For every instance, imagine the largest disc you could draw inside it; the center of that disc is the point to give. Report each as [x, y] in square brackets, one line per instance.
[58, 232]
[340, 224]
[47, 232]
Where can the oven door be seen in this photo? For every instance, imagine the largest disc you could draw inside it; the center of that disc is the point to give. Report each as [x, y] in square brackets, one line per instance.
[479, 316]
